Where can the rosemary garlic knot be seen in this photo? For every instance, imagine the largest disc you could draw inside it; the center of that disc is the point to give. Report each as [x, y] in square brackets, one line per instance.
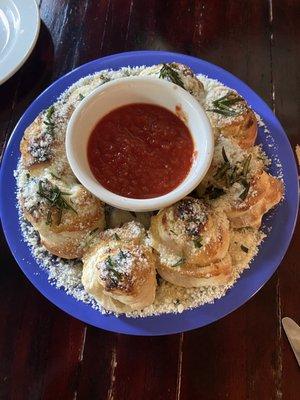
[63, 214]
[119, 270]
[230, 114]
[192, 242]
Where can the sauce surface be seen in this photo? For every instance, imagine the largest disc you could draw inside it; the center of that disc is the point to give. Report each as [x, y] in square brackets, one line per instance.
[140, 151]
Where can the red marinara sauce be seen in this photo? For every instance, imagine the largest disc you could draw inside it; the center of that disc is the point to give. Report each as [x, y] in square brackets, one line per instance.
[140, 151]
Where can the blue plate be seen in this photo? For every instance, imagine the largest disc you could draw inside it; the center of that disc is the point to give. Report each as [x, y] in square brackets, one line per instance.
[282, 219]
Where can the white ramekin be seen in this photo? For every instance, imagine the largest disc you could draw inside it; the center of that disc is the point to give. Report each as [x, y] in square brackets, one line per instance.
[129, 90]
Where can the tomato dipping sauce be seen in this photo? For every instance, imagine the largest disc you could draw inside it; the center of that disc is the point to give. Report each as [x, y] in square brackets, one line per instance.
[140, 151]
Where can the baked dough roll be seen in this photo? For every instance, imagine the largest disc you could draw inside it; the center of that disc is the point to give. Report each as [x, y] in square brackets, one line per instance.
[265, 191]
[64, 215]
[179, 74]
[43, 144]
[192, 241]
[231, 115]
[119, 270]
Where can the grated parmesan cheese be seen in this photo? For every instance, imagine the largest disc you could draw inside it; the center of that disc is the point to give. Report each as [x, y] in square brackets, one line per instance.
[66, 274]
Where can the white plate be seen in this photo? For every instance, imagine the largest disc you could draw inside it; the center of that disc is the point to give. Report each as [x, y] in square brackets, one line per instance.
[19, 29]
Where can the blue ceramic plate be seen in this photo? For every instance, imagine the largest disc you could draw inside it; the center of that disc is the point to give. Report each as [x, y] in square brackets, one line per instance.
[282, 219]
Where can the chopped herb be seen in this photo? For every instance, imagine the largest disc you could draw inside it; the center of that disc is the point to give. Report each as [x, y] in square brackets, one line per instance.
[133, 213]
[246, 165]
[111, 266]
[28, 176]
[244, 248]
[122, 255]
[170, 73]
[179, 262]
[94, 231]
[54, 196]
[54, 176]
[116, 236]
[81, 96]
[225, 158]
[198, 243]
[49, 218]
[224, 104]
[245, 192]
[59, 216]
[50, 112]
[48, 122]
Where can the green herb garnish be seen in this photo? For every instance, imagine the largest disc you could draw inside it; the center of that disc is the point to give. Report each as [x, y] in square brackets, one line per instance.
[244, 248]
[28, 176]
[80, 96]
[198, 243]
[55, 198]
[48, 121]
[94, 231]
[170, 73]
[224, 155]
[224, 104]
[179, 262]
[245, 192]
[49, 218]
[111, 266]
[246, 165]
[54, 176]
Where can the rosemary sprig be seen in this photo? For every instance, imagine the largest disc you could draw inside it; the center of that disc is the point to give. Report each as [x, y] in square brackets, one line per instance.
[198, 242]
[179, 262]
[55, 198]
[246, 165]
[116, 236]
[49, 218]
[245, 192]
[48, 122]
[55, 176]
[111, 266]
[170, 73]
[92, 233]
[224, 155]
[224, 104]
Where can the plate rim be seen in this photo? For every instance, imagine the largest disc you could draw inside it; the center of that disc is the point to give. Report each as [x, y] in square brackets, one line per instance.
[30, 42]
[138, 330]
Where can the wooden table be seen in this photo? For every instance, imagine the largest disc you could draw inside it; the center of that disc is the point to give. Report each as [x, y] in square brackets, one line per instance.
[44, 353]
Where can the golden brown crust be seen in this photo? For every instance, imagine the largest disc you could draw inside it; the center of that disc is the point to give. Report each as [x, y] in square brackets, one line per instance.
[265, 192]
[65, 232]
[198, 237]
[192, 275]
[243, 129]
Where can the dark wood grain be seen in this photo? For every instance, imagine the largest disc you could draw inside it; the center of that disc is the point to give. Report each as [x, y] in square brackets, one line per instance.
[46, 354]
[227, 344]
[285, 52]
